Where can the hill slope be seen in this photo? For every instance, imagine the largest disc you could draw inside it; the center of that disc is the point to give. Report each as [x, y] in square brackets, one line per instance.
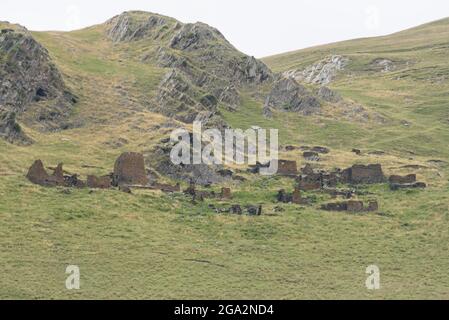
[126, 74]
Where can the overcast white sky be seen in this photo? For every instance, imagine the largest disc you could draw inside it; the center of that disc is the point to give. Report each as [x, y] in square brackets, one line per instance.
[256, 27]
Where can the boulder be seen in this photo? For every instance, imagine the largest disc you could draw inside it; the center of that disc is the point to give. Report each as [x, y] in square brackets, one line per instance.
[129, 169]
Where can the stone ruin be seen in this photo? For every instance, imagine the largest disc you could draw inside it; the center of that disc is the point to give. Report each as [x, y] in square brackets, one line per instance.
[129, 172]
[405, 182]
[295, 197]
[95, 182]
[352, 206]
[236, 209]
[129, 169]
[38, 175]
[361, 174]
[287, 168]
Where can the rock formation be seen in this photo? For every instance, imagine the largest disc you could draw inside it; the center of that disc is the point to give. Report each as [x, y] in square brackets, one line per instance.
[323, 72]
[28, 76]
[10, 130]
[288, 95]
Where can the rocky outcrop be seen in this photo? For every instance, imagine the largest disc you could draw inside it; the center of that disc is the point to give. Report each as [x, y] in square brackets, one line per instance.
[361, 174]
[328, 95]
[10, 130]
[323, 72]
[28, 76]
[195, 36]
[200, 174]
[288, 95]
[133, 26]
[205, 70]
[383, 65]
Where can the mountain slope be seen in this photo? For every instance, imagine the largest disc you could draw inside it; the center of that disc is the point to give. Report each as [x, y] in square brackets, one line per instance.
[405, 76]
[130, 75]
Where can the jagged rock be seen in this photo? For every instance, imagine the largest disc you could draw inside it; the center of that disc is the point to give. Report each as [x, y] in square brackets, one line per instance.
[230, 97]
[200, 174]
[129, 169]
[10, 130]
[28, 75]
[311, 156]
[194, 36]
[383, 65]
[176, 98]
[322, 72]
[133, 26]
[328, 95]
[288, 95]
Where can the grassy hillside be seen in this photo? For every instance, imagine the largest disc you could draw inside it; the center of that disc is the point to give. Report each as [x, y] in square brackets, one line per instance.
[157, 246]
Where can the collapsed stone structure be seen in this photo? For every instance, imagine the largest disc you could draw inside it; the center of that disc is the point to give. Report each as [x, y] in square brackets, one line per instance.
[287, 168]
[361, 174]
[95, 182]
[351, 206]
[294, 197]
